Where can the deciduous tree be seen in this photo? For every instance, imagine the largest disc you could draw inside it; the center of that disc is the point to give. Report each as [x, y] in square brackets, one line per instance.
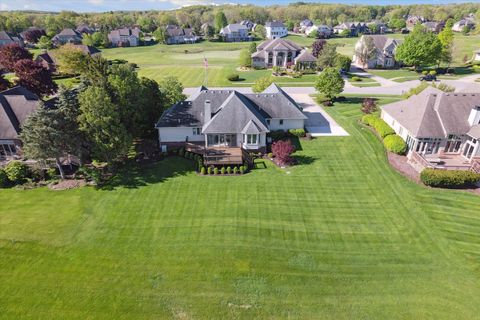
[45, 43]
[172, 89]
[330, 83]
[282, 151]
[261, 84]
[245, 58]
[34, 77]
[34, 35]
[317, 47]
[11, 54]
[71, 60]
[328, 56]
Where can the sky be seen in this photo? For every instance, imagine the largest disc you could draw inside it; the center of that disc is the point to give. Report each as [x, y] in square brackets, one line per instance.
[114, 5]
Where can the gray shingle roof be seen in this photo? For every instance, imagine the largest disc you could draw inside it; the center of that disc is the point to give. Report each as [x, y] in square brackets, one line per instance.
[275, 24]
[234, 27]
[305, 56]
[231, 110]
[269, 45]
[16, 104]
[434, 113]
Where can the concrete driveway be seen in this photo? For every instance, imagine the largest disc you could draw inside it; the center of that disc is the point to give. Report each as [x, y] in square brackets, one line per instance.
[319, 122]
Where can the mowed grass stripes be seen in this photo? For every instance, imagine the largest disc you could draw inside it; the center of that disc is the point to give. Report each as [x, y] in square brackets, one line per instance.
[340, 236]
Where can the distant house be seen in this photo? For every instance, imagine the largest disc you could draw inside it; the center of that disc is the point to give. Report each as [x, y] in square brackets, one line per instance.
[476, 56]
[354, 28]
[249, 24]
[304, 24]
[438, 123]
[84, 28]
[48, 61]
[275, 29]
[178, 35]
[320, 31]
[434, 26]
[16, 104]
[124, 37]
[225, 122]
[22, 34]
[8, 38]
[412, 20]
[277, 52]
[460, 25]
[381, 26]
[67, 36]
[385, 52]
[235, 32]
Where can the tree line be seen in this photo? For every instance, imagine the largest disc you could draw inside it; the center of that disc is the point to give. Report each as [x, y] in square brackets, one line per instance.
[196, 16]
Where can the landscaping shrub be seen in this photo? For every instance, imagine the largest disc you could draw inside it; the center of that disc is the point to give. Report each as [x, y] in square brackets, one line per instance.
[270, 155]
[433, 72]
[3, 178]
[52, 173]
[229, 170]
[282, 151]
[425, 72]
[235, 170]
[356, 79]
[16, 171]
[300, 133]
[202, 171]
[327, 103]
[369, 105]
[181, 152]
[242, 169]
[449, 178]
[209, 170]
[395, 144]
[278, 135]
[380, 126]
[38, 174]
[215, 171]
[233, 77]
[222, 171]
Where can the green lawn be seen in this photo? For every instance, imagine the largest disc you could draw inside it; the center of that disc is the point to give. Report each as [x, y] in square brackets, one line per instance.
[340, 236]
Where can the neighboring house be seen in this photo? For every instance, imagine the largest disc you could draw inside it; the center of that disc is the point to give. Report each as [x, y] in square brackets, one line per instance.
[235, 32]
[228, 119]
[355, 28]
[381, 26]
[22, 34]
[8, 38]
[67, 36]
[305, 61]
[459, 25]
[16, 104]
[304, 24]
[320, 31]
[249, 24]
[48, 61]
[178, 35]
[412, 20]
[434, 26]
[278, 52]
[438, 123]
[125, 37]
[84, 28]
[275, 29]
[385, 52]
[476, 57]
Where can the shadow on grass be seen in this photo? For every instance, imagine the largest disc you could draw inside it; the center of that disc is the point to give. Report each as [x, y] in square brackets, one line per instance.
[296, 143]
[134, 175]
[303, 160]
[463, 70]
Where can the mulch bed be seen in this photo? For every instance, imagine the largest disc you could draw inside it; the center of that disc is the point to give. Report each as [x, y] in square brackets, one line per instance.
[67, 184]
[399, 163]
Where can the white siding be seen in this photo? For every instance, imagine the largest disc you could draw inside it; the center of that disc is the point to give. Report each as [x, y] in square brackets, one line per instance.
[399, 129]
[261, 143]
[178, 134]
[287, 124]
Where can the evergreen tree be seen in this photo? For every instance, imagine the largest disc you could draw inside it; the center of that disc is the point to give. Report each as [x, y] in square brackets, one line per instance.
[220, 21]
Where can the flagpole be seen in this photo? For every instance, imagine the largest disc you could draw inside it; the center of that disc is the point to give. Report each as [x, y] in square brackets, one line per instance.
[205, 62]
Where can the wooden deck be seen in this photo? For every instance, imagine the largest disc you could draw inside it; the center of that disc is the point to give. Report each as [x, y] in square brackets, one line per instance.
[217, 155]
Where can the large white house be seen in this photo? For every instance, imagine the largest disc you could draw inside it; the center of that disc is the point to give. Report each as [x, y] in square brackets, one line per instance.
[384, 56]
[275, 29]
[229, 119]
[438, 123]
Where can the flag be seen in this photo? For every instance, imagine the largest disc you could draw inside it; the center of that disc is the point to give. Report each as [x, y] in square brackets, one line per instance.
[205, 63]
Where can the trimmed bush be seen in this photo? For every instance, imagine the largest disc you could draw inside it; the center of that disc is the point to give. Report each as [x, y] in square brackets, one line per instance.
[229, 170]
[222, 171]
[202, 171]
[449, 178]
[209, 170]
[300, 133]
[395, 144]
[380, 126]
[433, 72]
[3, 178]
[425, 72]
[215, 171]
[270, 155]
[181, 152]
[235, 170]
[242, 169]
[233, 77]
[16, 171]
[356, 79]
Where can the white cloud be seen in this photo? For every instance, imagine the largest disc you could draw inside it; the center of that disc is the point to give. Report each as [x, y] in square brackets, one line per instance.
[96, 2]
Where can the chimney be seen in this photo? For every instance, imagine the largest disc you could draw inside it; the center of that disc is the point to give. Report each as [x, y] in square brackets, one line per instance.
[474, 117]
[208, 111]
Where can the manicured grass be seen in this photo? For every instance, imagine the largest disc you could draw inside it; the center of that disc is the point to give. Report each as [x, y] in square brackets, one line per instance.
[341, 235]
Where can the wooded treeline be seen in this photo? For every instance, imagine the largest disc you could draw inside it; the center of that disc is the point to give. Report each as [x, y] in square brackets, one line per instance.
[195, 16]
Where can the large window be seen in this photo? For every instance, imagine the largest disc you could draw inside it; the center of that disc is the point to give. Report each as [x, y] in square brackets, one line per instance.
[197, 131]
[251, 138]
[7, 150]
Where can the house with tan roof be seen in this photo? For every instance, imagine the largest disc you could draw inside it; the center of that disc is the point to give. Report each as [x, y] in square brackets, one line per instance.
[235, 32]
[384, 56]
[124, 37]
[438, 124]
[16, 104]
[278, 52]
[67, 36]
[178, 35]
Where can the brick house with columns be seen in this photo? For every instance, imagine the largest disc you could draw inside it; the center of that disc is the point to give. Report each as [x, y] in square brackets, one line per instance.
[277, 52]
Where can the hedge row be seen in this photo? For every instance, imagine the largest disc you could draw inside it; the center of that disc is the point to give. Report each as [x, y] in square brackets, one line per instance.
[382, 128]
[449, 178]
[17, 172]
[224, 170]
[395, 144]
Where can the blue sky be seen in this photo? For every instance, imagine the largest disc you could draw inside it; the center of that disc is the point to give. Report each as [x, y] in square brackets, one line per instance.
[107, 5]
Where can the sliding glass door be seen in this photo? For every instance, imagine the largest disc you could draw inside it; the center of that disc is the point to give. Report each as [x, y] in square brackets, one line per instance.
[221, 140]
